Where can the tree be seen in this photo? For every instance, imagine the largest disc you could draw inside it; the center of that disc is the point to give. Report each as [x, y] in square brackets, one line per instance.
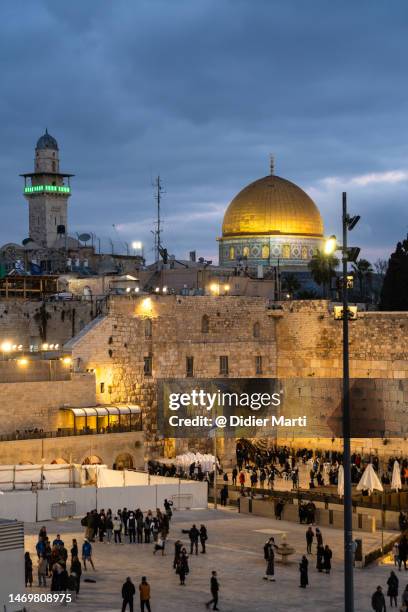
[394, 293]
[322, 268]
[290, 283]
[363, 271]
[380, 267]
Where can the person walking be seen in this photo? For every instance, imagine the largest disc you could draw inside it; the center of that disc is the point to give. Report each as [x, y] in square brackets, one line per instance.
[144, 590]
[319, 537]
[234, 476]
[402, 553]
[269, 556]
[320, 556]
[378, 600]
[309, 540]
[28, 568]
[87, 554]
[74, 549]
[42, 571]
[392, 591]
[128, 593]
[303, 568]
[214, 588]
[178, 545]
[203, 537]
[183, 568]
[132, 528]
[327, 557]
[160, 545]
[76, 570]
[404, 599]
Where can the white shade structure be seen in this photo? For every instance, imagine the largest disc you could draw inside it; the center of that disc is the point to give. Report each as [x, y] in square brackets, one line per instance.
[340, 481]
[396, 477]
[369, 480]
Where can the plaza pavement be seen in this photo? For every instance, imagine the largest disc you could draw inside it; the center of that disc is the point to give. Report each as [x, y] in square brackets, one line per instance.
[235, 550]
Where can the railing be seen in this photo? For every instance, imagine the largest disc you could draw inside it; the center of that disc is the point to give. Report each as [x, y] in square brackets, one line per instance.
[70, 431]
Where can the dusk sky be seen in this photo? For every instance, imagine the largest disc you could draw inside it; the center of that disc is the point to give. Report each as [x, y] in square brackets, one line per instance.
[202, 92]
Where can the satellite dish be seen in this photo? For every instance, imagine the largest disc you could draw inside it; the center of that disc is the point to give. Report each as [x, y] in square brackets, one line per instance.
[84, 237]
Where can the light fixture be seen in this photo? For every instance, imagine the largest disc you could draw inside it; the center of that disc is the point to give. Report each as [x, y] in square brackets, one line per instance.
[226, 287]
[51, 347]
[164, 289]
[44, 346]
[214, 288]
[137, 289]
[137, 245]
[23, 361]
[127, 289]
[20, 347]
[67, 360]
[330, 245]
[157, 289]
[6, 346]
[14, 347]
[56, 346]
[352, 222]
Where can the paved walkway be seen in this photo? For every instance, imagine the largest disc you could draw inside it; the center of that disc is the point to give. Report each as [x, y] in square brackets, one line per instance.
[235, 550]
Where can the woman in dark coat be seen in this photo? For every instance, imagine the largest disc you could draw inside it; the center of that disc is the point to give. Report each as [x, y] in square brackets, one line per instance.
[183, 568]
[76, 569]
[303, 567]
[327, 555]
[319, 561]
[269, 555]
[392, 591]
[28, 566]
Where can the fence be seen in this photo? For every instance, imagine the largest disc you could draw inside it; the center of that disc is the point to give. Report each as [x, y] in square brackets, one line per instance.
[37, 506]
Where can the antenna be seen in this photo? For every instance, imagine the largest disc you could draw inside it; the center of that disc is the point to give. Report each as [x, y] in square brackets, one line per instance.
[271, 164]
[159, 191]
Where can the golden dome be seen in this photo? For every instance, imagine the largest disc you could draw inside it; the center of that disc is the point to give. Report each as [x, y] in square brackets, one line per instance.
[272, 205]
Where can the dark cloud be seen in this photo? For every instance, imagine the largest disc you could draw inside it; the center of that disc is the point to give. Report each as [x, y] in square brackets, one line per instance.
[202, 92]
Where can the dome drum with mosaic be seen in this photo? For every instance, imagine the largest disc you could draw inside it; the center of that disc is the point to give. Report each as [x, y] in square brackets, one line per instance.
[271, 220]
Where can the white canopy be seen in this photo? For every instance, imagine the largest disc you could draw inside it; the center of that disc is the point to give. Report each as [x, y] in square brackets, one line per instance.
[340, 481]
[396, 476]
[369, 480]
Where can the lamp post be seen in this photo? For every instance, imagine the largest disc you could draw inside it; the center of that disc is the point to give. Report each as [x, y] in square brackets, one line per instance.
[347, 500]
[348, 254]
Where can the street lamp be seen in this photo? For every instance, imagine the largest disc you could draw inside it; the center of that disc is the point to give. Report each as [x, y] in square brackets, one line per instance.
[348, 254]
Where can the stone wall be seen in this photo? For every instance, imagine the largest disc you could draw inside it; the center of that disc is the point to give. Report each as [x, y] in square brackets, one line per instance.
[300, 340]
[75, 448]
[21, 320]
[30, 405]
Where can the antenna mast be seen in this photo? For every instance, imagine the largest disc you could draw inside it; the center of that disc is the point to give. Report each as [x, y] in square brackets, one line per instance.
[159, 191]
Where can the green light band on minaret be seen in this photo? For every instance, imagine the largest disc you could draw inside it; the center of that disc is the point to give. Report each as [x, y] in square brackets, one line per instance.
[51, 188]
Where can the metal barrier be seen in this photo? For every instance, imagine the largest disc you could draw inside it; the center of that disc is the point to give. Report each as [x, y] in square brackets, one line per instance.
[63, 509]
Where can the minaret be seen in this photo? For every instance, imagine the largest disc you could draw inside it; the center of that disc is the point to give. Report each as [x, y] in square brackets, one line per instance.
[47, 194]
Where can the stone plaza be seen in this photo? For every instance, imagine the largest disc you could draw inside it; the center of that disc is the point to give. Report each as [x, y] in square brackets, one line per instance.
[235, 551]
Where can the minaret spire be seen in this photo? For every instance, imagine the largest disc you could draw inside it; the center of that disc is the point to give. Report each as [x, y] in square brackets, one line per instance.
[271, 164]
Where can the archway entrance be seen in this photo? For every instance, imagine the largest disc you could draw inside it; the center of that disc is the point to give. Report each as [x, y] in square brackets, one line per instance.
[92, 460]
[124, 461]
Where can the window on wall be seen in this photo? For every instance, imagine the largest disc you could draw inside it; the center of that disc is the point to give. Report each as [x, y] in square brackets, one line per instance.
[258, 364]
[148, 365]
[224, 365]
[189, 366]
[205, 324]
[102, 387]
[256, 330]
[148, 328]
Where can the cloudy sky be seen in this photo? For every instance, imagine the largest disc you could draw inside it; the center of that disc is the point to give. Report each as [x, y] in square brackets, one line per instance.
[202, 91]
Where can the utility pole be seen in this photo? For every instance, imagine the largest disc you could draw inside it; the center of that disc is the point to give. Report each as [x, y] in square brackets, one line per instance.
[215, 468]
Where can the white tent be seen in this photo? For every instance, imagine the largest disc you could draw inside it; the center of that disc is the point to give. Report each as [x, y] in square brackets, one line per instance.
[340, 481]
[396, 477]
[369, 480]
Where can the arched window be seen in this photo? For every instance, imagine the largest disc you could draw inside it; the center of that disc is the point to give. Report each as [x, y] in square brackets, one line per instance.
[265, 252]
[256, 330]
[245, 251]
[148, 328]
[205, 324]
[232, 253]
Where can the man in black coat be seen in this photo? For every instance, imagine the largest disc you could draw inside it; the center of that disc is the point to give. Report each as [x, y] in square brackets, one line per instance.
[194, 535]
[128, 592]
[215, 587]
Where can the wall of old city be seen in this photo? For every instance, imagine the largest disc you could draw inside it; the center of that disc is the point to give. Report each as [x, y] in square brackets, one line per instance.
[21, 321]
[30, 405]
[302, 340]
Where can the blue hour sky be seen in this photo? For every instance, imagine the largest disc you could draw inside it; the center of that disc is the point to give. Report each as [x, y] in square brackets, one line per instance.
[202, 91]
